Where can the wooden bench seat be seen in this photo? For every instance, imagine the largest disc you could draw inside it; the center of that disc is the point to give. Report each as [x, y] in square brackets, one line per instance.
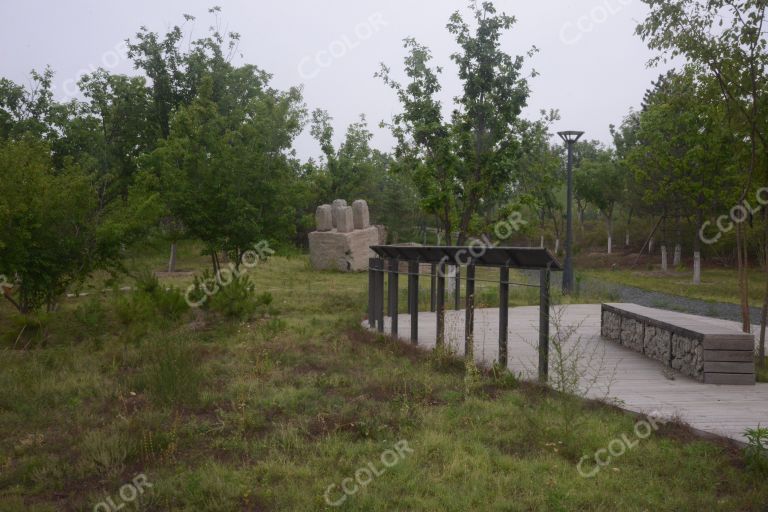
[695, 346]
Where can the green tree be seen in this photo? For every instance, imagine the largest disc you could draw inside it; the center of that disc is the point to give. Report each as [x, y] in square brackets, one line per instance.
[228, 178]
[460, 165]
[55, 233]
[600, 182]
[727, 38]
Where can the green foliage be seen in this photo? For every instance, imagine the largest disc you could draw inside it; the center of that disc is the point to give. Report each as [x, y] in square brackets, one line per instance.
[756, 451]
[238, 299]
[225, 176]
[91, 314]
[458, 165]
[171, 303]
[150, 302]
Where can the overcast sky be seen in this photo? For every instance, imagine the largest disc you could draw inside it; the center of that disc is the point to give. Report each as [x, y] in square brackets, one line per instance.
[592, 67]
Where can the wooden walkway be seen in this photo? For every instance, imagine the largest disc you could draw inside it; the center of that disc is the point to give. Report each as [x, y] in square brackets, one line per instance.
[619, 375]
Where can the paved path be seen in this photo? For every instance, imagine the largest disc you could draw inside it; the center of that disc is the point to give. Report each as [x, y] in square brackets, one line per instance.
[610, 371]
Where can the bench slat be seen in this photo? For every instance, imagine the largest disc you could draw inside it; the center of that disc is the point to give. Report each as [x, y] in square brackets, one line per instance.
[744, 356]
[728, 367]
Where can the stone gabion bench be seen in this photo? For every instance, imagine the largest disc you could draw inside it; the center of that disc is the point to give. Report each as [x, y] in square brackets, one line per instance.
[692, 345]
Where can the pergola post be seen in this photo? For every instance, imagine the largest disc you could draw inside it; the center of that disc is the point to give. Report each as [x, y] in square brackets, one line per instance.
[544, 325]
[413, 299]
[440, 306]
[371, 291]
[432, 286]
[393, 291]
[380, 294]
[469, 320]
[457, 289]
[503, 314]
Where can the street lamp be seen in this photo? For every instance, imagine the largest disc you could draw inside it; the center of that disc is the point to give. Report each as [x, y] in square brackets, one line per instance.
[570, 137]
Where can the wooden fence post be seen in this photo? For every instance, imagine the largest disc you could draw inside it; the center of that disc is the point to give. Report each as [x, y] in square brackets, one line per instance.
[413, 299]
[503, 314]
[440, 314]
[469, 319]
[543, 325]
[371, 292]
[393, 291]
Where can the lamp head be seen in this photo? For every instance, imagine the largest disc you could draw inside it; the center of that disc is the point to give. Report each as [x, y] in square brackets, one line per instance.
[570, 136]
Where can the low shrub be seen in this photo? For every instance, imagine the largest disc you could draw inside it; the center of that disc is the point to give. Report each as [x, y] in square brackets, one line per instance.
[756, 451]
[238, 299]
[171, 303]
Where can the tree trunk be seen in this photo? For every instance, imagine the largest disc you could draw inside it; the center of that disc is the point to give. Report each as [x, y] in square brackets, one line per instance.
[629, 224]
[678, 255]
[696, 267]
[763, 317]
[764, 311]
[650, 246]
[172, 259]
[541, 243]
[697, 249]
[677, 258]
[663, 258]
[557, 245]
[741, 260]
[609, 226]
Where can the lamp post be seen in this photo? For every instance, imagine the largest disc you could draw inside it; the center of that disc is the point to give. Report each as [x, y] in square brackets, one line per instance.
[570, 137]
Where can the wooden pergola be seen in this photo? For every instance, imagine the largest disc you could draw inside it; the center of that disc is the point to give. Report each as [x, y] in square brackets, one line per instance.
[439, 258]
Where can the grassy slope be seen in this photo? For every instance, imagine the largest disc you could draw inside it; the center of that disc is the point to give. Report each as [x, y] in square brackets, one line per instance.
[266, 414]
[717, 285]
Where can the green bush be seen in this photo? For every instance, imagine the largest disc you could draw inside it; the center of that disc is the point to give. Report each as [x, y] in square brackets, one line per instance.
[756, 451]
[27, 331]
[171, 303]
[90, 314]
[238, 299]
[150, 302]
[134, 307]
[147, 282]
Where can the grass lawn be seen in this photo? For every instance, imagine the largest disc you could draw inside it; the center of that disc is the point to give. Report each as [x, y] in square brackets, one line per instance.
[274, 412]
[717, 285]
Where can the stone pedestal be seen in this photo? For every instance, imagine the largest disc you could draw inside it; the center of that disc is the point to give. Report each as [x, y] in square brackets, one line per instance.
[347, 252]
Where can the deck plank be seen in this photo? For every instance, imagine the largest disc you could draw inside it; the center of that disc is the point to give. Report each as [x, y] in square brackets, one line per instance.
[624, 376]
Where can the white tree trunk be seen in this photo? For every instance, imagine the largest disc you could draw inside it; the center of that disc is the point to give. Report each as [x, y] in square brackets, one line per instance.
[557, 245]
[678, 256]
[609, 225]
[697, 267]
[663, 258]
[650, 246]
[172, 259]
[626, 240]
[541, 243]
[610, 244]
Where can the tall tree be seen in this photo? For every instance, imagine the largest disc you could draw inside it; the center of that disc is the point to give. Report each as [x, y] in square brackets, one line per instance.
[458, 164]
[600, 182]
[727, 38]
[228, 177]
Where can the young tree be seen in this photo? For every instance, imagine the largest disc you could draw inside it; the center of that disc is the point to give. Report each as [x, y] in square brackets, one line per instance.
[55, 233]
[227, 177]
[726, 37]
[458, 164]
[600, 182]
[683, 155]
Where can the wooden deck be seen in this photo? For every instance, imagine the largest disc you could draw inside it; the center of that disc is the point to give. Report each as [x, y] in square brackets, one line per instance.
[620, 375]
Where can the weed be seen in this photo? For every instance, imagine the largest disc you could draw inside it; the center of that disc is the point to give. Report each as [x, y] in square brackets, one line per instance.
[756, 451]
[174, 377]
